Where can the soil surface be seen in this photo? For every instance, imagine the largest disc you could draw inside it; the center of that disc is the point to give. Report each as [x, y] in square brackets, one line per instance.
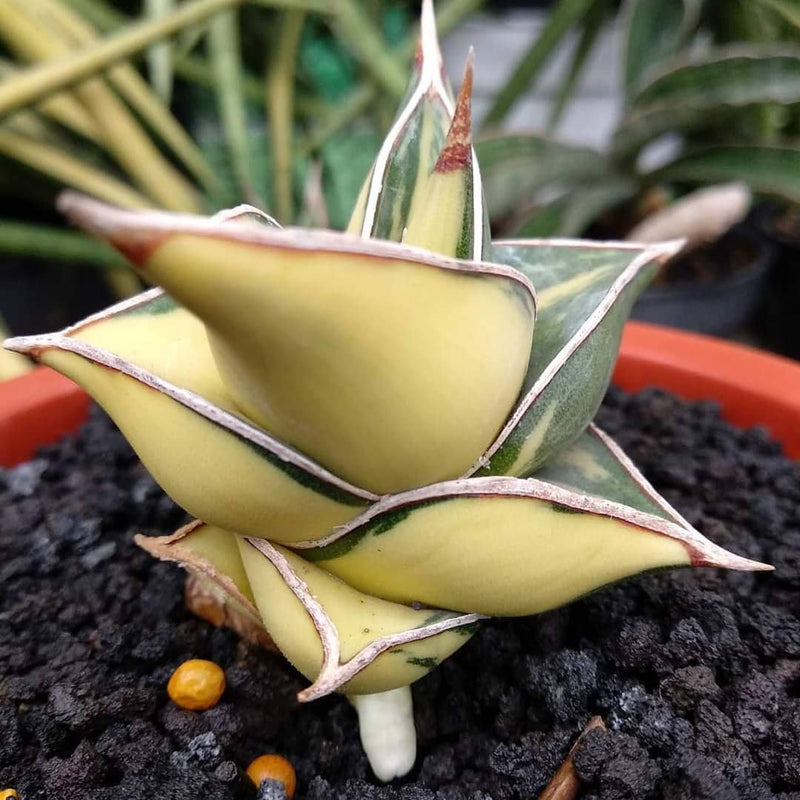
[696, 673]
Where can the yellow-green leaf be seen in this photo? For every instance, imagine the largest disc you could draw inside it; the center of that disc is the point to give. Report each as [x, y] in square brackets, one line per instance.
[340, 638]
[212, 555]
[147, 362]
[377, 360]
[505, 546]
[447, 210]
[411, 147]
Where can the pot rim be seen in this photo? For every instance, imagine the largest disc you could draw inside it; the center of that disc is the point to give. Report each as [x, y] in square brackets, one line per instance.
[753, 387]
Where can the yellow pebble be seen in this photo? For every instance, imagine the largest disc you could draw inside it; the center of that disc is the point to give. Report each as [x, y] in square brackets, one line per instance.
[8, 794]
[196, 685]
[273, 768]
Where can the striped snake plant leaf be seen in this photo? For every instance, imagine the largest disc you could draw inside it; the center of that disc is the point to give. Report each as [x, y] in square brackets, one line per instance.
[412, 146]
[343, 639]
[596, 465]
[405, 340]
[683, 96]
[586, 290]
[655, 31]
[447, 212]
[505, 546]
[148, 363]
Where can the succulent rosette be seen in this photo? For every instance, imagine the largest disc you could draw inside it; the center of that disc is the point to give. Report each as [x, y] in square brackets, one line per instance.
[385, 434]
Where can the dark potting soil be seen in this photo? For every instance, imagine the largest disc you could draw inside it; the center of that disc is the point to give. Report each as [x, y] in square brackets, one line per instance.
[696, 673]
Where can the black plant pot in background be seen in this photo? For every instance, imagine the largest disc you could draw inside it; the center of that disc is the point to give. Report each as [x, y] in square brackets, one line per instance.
[715, 289]
[38, 296]
[778, 321]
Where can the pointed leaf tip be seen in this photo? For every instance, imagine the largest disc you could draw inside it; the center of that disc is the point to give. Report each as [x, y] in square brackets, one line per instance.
[705, 553]
[457, 151]
[27, 345]
[115, 225]
[428, 49]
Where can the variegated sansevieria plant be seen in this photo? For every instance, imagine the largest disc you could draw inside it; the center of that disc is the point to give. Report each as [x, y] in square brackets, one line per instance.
[385, 435]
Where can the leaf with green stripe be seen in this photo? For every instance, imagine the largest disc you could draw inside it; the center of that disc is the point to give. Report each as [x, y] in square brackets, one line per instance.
[412, 146]
[585, 292]
[506, 546]
[447, 211]
[147, 362]
[590, 29]
[689, 95]
[656, 29]
[340, 638]
[596, 465]
[364, 354]
[767, 169]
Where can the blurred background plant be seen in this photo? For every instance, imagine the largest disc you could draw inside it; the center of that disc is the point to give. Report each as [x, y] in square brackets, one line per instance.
[711, 91]
[710, 96]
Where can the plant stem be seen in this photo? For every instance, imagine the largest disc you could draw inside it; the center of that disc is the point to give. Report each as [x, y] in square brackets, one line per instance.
[226, 60]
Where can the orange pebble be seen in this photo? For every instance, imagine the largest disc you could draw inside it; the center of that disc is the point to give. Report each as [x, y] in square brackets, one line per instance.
[8, 794]
[196, 685]
[273, 768]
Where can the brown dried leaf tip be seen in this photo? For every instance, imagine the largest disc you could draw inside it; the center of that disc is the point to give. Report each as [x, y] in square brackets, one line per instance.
[457, 151]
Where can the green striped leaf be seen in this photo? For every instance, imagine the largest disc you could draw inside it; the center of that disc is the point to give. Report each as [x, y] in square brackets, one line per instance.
[147, 362]
[343, 639]
[691, 94]
[585, 293]
[655, 31]
[506, 546]
[590, 29]
[564, 16]
[596, 465]
[447, 209]
[412, 146]
[515, 166]
[766, 169]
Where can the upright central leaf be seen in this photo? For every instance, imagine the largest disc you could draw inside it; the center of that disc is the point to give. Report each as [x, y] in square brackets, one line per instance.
[412, 146]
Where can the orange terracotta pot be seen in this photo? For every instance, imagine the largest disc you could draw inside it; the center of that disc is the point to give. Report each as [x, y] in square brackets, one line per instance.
[35, 409]
[752, 387]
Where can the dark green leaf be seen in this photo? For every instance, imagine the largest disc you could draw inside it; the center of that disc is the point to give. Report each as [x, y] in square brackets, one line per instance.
[769, 170]
[563, 17]
[656, 29]
[690, 95]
